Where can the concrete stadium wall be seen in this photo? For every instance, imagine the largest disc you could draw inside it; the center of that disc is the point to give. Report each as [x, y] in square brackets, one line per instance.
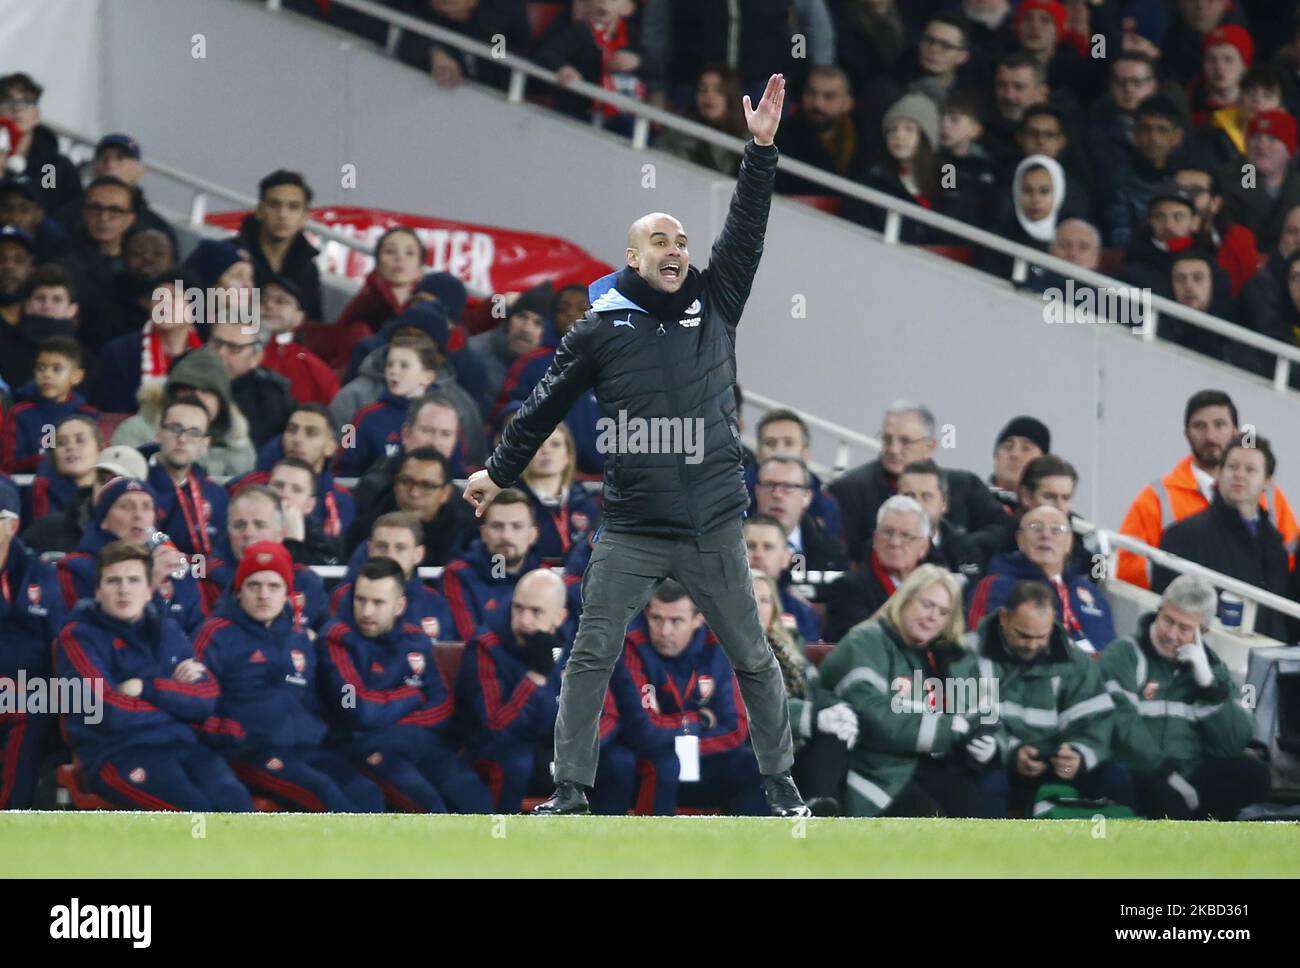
[881, 322]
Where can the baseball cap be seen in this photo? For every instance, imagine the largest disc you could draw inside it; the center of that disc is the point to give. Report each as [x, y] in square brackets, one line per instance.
[12, 233]
[123, 461]
[17, 185]
[123, 142]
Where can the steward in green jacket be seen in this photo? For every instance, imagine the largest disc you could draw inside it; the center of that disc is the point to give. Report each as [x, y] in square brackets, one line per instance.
[1180, 727]
[1055, 713]
[917, 694]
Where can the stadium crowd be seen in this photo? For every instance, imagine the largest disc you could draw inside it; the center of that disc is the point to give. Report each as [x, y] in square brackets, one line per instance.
[1126, 136]
[189, 472]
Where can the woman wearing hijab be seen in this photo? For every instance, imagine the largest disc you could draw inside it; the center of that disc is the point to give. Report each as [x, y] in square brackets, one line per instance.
[1038, 193]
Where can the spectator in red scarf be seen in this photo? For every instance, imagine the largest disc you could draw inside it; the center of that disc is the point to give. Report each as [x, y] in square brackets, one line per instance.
[900, 543]
[1238, 253]
[139, 360]
[310, 380]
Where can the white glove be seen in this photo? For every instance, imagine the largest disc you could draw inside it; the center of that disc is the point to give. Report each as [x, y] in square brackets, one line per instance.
[1196, 657]
[982, 748]
[960, 726]
[839, 721]
[1184, 789]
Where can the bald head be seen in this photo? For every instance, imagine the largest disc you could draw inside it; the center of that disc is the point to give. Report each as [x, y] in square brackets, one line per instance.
[538, 604]
[656, 249]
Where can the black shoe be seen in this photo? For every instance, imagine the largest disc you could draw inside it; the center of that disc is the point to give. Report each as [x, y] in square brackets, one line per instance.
[567, 798]
[824, 806]
[783, 796]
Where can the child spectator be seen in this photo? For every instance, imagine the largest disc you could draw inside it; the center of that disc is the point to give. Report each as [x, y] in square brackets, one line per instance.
[411, 366]
[42, 404]
[975, 176]
[908, 169]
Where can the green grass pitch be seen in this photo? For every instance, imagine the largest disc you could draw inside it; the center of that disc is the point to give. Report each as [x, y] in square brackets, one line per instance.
[69, 844]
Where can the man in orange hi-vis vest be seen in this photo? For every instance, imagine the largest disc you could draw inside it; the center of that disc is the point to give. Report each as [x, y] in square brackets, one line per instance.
[1209, 423]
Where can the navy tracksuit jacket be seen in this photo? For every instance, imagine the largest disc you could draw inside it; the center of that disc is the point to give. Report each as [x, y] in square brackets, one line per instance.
[308, 599]
[22, 443]
[378, 434]
[562, 527]
[425, 607]
[143, 751]
[192, 513]
[507, 720]
[267, 722]
[179, 598]
[660, 699]
[472, 591]
[389, 709]
[31, 614]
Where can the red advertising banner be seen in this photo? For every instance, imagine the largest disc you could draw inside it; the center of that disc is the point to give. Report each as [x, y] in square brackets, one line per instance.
[487, 259]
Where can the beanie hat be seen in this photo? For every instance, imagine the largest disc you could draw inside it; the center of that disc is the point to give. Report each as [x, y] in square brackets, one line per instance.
[213, 258]
[114, 489]
[1234, 35]
[448, 290]
[918, 108]
[1276, 123]
[1030, 428]
[265, 556]
[428, 317]
[1052, 8]
[539, 300]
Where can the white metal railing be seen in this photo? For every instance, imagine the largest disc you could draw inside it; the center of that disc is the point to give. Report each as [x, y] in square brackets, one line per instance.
[1151, 305]
[843, 436]
[202, 190]
[1112, 542]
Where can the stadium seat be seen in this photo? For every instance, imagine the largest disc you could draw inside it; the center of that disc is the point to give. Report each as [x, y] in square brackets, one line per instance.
[541, 15]
[108, 423]
[829, 204]
[818, 651]
[447, 655]
[1111, 260]
[957, 253]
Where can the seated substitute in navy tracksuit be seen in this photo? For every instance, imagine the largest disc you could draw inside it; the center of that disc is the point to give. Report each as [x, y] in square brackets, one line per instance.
[31, 614]
[267, 723]
[425, 607]
[389, 710]
[508, 721]
[143, 753]
[177, 597]
[660, 698]
[310, 603]
[475, 593]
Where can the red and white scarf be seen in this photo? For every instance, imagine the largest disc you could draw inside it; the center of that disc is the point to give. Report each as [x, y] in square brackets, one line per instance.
[154, 360]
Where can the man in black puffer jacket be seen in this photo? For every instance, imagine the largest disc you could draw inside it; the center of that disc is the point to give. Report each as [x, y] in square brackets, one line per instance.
[659, 348]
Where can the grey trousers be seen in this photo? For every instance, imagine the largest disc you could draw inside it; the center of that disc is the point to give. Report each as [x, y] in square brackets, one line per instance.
[623, 572]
